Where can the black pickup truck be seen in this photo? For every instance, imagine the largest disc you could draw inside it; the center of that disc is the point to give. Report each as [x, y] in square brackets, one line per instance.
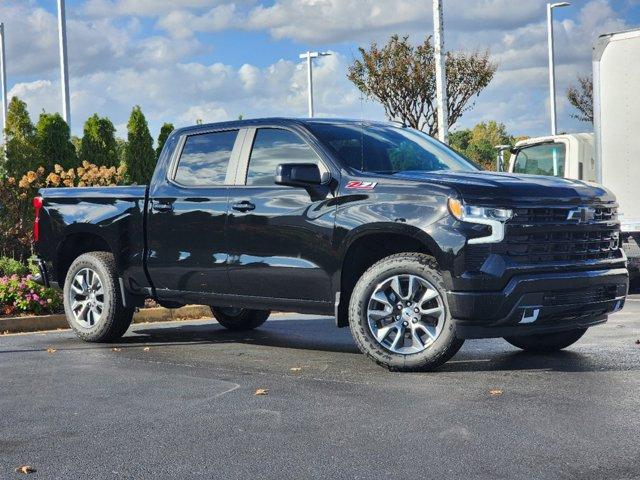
[412, 246]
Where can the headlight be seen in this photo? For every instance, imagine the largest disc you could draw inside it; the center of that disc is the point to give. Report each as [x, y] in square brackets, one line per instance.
[494, 217]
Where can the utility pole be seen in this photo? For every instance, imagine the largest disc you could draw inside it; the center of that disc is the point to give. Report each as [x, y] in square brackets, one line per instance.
[441, 75]
[64, 67]
[308, 56]
[3, 80]
[552, 74]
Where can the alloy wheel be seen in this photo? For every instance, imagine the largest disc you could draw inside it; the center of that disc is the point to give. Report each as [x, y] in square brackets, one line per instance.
[86, 298]
[406, 314]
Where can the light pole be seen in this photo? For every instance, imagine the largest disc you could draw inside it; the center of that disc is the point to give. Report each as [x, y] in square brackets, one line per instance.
[3, 80]
[441, 78]
[552, 75]
[308, 56]
[64, 67]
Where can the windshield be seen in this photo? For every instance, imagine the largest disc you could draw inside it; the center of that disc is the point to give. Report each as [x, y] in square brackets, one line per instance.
[380, 148]
[545, 159]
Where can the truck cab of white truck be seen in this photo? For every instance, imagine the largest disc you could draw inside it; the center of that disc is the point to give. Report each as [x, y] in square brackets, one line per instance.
[567, 155]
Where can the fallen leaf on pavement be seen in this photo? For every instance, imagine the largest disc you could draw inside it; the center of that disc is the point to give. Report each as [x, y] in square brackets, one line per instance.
[296, 369]
[115, 349]
[262, 391]
[51, 350]
[495, 392]
[25, 469]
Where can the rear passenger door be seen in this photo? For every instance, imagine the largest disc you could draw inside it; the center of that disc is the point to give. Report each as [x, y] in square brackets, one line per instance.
[187, 245]
[280, 237]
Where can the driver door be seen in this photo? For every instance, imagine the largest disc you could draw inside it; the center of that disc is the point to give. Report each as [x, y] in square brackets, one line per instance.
[280, 237]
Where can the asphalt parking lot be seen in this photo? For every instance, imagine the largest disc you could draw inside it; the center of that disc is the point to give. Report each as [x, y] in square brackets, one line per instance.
[177, 400]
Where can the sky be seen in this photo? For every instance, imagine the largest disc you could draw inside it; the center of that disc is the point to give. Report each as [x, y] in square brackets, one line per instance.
[213, 60]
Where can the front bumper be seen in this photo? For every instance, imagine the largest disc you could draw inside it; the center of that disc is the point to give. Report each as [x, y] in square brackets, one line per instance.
[540, 303]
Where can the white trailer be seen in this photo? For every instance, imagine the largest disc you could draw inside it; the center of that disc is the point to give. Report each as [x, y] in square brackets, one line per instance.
[616, 110]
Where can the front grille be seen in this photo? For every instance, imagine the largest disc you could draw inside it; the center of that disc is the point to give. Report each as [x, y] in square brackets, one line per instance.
[546, 235]
[582, 297]
[558, 245]
[545, 215]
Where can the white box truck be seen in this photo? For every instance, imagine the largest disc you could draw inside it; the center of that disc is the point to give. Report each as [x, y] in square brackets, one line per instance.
[610, 156]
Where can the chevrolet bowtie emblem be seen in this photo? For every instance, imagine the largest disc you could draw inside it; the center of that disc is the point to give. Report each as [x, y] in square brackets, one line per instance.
[582, 214]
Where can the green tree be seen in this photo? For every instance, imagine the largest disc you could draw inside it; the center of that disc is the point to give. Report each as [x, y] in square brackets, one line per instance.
[21, 154]
[140, 157]
[479, 143]
[53, 140]
[459, 140]
[581, 98]
[121, 149]
[402, 78]
[99, 142]
[165, 131]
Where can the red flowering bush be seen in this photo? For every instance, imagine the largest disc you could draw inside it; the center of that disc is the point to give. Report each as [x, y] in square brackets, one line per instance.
[23, 295]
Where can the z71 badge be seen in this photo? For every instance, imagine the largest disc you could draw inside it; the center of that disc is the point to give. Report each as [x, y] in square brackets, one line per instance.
[362, 185]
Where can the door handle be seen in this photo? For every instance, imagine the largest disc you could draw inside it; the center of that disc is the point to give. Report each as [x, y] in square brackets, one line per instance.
[161, 206]
[244, 206]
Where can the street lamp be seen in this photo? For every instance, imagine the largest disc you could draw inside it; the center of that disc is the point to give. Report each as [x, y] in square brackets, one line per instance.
[552, 76]
[3, 80]
[441, 76]
[308, 56]
[64, 66]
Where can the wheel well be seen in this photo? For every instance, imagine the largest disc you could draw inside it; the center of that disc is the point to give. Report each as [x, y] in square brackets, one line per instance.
[363, 253]
[75, 245]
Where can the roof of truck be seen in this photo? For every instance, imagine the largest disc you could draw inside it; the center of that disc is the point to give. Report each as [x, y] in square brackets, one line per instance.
[255, 122]
[580, 137]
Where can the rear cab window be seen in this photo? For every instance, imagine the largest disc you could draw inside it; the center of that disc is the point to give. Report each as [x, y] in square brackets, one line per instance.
[205, 158]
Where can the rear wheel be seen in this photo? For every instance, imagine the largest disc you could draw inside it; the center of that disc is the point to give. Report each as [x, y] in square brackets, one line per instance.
[238, 319]
[399, 314]
[92, 299]
[548, 342]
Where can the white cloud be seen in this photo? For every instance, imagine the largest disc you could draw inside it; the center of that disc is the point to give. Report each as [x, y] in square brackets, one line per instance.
[342, 20]
[184, 24]
[148, 8]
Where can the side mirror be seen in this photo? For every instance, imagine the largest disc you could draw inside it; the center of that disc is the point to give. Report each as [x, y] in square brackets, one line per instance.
[299, 175]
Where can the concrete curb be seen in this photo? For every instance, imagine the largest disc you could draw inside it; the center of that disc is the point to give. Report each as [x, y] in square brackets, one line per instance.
[146, 315]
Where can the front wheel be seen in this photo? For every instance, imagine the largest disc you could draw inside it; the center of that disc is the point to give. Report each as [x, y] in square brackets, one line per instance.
[547, 342]
[239, 319]
[399, 316]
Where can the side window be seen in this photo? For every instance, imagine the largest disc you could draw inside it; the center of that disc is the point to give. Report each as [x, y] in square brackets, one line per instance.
[205, 158]
[271, 147]
[547, 159]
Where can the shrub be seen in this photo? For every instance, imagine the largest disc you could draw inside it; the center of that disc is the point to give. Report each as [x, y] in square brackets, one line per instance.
[10, 266]
[16, 219]
[87, 175]
[23, 295]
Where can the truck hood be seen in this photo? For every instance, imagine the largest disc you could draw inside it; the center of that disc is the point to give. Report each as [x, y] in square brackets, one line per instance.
[507, 189]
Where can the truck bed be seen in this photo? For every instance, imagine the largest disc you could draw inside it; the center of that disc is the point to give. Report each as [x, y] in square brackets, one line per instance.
[114, 215]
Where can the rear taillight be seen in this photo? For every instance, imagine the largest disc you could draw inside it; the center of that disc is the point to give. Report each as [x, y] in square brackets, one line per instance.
[37, 205]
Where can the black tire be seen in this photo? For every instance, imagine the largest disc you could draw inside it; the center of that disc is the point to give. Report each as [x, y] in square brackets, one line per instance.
[445, 346]
[239, 319]
[115, 318]
[548, 342]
